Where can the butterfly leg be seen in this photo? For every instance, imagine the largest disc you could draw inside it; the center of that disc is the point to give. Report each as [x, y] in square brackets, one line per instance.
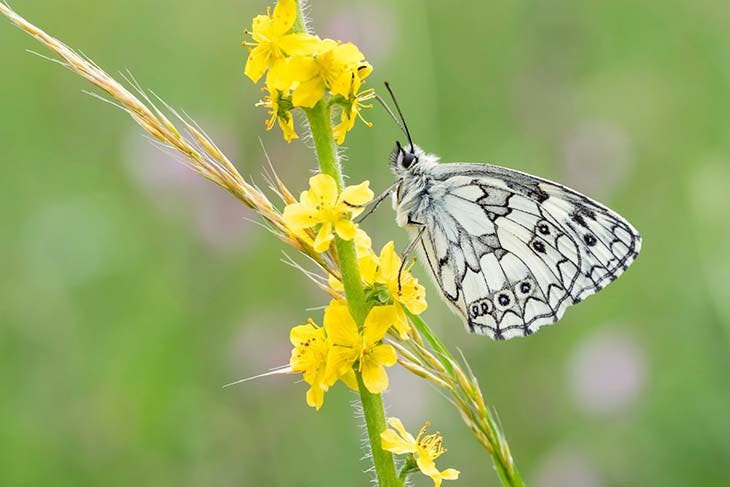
[373, 205]
[408, 251]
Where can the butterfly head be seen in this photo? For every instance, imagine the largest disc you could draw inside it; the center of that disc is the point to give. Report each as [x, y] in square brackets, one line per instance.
[404, 159]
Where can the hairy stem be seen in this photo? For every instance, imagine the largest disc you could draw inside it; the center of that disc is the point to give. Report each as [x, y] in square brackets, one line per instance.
[372, 404]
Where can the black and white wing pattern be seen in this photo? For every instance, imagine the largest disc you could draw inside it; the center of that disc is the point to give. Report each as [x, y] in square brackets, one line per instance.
[512, 251]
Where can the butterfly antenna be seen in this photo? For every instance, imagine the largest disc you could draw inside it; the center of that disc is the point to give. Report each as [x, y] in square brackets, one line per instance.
[390, 112]
[397, 107]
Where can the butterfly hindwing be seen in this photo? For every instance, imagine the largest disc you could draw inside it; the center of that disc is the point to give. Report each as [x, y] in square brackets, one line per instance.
[511, 251]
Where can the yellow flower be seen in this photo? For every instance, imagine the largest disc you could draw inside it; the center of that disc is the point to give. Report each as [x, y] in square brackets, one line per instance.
[272, 39]
[309, 357]
[408, 292]
[351, 112]
[321, 205]
[425, 449]
[328, 65]
[380, 274]
[279, 107]
[350, 346]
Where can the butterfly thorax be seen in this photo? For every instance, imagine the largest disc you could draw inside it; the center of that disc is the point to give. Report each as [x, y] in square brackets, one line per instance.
[415, 194]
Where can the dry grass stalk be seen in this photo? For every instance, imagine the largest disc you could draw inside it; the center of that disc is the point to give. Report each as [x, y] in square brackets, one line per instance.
[198, 151]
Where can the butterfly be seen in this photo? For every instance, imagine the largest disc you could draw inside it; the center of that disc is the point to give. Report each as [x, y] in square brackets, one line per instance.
[510, 252]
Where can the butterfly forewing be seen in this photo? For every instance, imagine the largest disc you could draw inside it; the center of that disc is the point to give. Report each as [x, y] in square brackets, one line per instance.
[509, 251]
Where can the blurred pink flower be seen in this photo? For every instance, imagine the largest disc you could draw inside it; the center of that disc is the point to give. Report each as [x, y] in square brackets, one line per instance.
[607, 372]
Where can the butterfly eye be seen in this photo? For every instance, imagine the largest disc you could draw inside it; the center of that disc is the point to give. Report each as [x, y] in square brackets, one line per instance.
[408, 159]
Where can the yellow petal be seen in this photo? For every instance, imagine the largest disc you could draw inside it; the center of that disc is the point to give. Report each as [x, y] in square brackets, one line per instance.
[363, 243]
[377, 323]
[384, 355]
[398, 426]
[298, 216]
[374, 376]
[287, 128]
[348, 54]
[325, 46]
[284, 15]
[389, 263]
[315, 397]
[257, 62]
[340, 130]
[348, 117]
[300, 334]
[339, 134]
[364, 70]
[368, 267]
[339, 363]
[300, 44]
[426, 465]
[416, 300]
[391, 442]
[341, 328]
[400, 322]
[345, 229]
[341, 84]
[324, 238]
[261, 26]
[279, 77]
[450, 474]
[323, 190]
[357, 195]
[308, 92]
[350, 380]
[301, 68]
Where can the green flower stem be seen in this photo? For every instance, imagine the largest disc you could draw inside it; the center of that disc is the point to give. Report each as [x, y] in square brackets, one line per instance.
[372, 404]
[372, 407]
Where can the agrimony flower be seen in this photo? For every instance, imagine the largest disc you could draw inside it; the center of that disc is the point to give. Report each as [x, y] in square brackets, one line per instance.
[279, 106]
[273, 38]
[322, 205]
[349, 346]
[330, 65]
[424, 448]
[309, 357]
[351, 112]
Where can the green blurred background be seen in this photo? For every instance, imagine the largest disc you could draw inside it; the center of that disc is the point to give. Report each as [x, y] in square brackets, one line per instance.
[130, 290]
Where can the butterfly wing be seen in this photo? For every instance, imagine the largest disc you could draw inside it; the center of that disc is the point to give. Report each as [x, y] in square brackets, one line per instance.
[512, 251]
